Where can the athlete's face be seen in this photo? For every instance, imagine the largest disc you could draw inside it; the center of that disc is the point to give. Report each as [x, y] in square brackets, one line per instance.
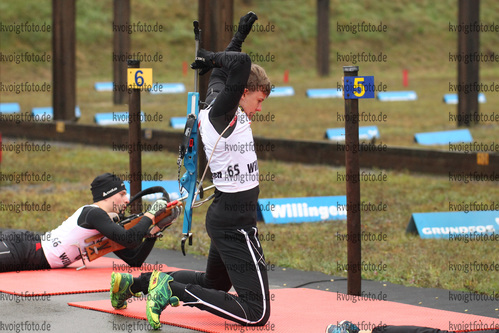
[251, 102]
[120, 200]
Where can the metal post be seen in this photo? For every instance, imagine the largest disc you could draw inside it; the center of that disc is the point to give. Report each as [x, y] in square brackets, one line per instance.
[121, 47]
[135, 142]
[352, 188]
[64, 59]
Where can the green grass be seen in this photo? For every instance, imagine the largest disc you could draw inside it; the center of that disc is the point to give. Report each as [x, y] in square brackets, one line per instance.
[417, 38]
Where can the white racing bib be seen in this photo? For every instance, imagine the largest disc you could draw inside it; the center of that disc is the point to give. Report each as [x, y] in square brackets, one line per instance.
[61, 244]
[234, 165]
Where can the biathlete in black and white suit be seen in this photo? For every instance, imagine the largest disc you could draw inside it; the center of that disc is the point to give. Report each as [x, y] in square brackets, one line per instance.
[236, 91]
[24, 250]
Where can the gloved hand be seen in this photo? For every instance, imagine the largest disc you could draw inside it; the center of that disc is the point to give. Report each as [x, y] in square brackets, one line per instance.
[204, 61]
[167, 221]
[243, 29]
[245, 25]
[157, 206]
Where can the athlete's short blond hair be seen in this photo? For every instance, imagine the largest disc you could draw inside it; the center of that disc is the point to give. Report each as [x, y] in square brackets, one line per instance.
[258, 80]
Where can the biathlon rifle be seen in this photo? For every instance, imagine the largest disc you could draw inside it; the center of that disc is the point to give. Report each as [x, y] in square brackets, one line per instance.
[188, 151]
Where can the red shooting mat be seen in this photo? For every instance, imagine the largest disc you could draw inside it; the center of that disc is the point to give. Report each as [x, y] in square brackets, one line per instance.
[96, 277]
[307, 310]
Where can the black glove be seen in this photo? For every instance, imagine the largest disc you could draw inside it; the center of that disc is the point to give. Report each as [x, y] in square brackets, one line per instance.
[244, 28]
[245, 24]
[204, 61]
[167, 221]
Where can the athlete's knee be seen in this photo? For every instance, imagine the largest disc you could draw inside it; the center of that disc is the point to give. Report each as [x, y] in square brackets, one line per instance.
[261, 319]
[259, 314]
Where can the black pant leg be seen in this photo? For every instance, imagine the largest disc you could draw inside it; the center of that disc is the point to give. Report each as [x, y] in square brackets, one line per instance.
[243, 257]
[215, 277]
[136, 257]
[21, 250]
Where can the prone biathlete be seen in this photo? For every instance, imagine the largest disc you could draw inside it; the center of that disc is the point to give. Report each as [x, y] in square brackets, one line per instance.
[25, 250]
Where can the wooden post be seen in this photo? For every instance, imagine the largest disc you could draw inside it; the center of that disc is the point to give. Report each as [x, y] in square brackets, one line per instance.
[467, 70]
[64, 59]
[134, 139]
[216, 21]
[353, 188]
[323, 37]
[121, 48]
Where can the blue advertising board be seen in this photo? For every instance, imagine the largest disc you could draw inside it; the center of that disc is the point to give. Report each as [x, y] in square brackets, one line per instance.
[446, 224]
[306, 209]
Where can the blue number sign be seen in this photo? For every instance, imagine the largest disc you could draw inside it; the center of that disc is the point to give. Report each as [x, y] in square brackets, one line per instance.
[356, 87]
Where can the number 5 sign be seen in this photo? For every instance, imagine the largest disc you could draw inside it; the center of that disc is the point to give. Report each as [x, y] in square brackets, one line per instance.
[139, 78]
[356, 87]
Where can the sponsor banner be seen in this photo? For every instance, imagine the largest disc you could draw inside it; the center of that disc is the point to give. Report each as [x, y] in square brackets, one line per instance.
[446, 224]
[306, 209]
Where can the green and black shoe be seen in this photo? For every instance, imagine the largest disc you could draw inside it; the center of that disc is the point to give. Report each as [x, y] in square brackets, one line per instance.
[160, 295]
[120, 290]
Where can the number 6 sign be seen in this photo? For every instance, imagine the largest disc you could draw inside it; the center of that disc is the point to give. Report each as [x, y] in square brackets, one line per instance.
[139, 78]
